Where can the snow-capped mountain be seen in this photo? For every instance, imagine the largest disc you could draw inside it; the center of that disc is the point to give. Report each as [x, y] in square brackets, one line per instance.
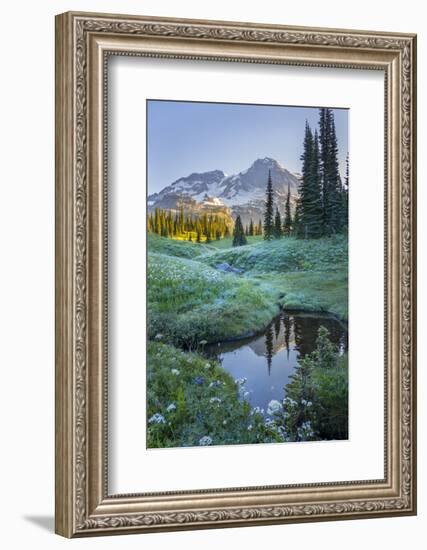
[243, 193]
[196, 185]
[250, 184]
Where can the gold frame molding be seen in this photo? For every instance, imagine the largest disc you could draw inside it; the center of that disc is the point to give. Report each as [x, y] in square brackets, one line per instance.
[83, 43]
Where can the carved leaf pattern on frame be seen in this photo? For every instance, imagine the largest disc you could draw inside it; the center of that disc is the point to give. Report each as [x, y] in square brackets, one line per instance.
[230, 33]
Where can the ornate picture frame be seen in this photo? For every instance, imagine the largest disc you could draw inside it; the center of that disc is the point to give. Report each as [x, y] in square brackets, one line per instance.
[84, 42]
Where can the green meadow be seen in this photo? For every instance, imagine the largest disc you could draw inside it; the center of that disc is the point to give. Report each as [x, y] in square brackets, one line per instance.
[199, 293]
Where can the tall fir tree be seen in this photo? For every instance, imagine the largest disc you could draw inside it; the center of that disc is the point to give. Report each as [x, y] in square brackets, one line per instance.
[297, 217]
[310, 204]
[336, 184]
[239, 238]
[345, 193]
[181, 220]
[306, 159]
[268, 212]
[287, 221]
[277, 232]
[333, 209]
[315, 205]
[157, 224]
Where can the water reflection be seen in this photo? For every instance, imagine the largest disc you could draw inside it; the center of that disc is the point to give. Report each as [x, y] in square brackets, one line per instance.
[268, 359]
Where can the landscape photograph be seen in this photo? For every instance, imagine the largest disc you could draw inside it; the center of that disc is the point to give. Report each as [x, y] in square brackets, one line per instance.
[247, 274]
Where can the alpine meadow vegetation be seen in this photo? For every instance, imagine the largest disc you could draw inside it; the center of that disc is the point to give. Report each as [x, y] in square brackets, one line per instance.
[209, 281]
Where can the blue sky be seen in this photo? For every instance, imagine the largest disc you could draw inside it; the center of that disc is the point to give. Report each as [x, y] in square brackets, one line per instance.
[185, 137]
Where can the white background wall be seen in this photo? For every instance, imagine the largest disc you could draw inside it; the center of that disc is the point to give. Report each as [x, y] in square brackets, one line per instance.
[27, 273]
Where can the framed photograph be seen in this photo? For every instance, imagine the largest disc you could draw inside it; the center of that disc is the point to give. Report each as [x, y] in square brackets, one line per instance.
[235, 274]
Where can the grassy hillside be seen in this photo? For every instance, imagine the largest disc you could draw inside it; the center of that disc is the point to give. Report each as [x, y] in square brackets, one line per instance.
[324, 291]
[189, 302]
[191, 400]
[227, 243]
[305, 275]
[284, 255]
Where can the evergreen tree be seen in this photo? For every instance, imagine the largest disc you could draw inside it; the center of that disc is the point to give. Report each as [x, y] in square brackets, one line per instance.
[306, 159]
[169, 224]
[269, 347]
[345, 192]
[268, 213]
[335, 179]
[198, 236]
[277, 225]
[181, 220]
[347, 172]
[239, 238]
[333, 208]
[259, 230]
[162, 223]
[297, 218]
[157, 224]
[326, 353]
[287, 325]
[310, 204]
[251, 228]
[277, 324]
[287, 222]
[315, 205]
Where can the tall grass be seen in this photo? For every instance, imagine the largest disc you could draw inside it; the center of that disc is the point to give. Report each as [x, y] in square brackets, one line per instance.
[189, 302]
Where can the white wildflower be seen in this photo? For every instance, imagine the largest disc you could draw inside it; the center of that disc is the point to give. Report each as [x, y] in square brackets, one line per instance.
[158, 336]
[305, 430]
[290, 402]
[205, 440]
[257, 410]
[241, 381]
[175, 372]
[274, 407]
[269, 423]
[282, 431]
[171, 407]
[214, 400]
[157, 418]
